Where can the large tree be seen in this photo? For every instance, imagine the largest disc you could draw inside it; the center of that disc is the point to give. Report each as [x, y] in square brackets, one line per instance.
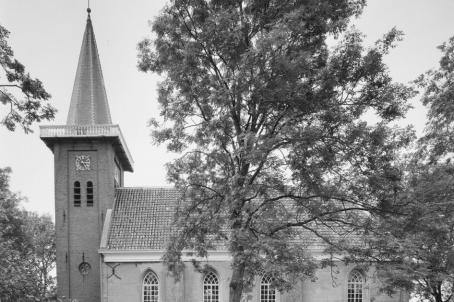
[24, 98]
[269, 119]
[27, 249]
[415, 249]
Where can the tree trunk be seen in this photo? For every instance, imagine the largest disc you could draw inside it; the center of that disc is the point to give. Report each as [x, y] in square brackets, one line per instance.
[436, 293]
[236, 283]
[238, 266]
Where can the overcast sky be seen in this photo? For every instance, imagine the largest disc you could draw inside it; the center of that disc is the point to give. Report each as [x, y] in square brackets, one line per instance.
[46, 36]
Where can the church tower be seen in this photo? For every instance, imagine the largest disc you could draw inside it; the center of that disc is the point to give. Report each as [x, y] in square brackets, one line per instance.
[90, 157]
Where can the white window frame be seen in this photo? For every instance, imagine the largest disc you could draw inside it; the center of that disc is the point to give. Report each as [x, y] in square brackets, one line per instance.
[277, 295]
[357, 287]
[211, 285]
[152, 286]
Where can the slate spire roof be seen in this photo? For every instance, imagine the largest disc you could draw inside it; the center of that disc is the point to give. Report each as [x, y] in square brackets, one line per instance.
[89, 105]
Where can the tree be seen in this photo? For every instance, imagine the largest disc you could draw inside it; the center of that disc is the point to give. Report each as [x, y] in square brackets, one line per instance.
[41, 253]
[414, 249]
[27, 249]
[11, 238]
[270, 123]
[438, 85]
[25, 97]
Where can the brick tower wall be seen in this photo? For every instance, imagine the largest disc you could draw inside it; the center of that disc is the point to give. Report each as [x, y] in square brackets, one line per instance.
[78, 229]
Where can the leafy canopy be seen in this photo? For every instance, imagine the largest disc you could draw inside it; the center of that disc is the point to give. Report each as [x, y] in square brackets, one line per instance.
[430, 238]
[269, 121]
[27, 249]
[25, 98]
[438, 86]
[414, 250]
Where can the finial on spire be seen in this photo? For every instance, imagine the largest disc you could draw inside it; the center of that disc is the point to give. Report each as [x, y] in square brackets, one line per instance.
[88, 9]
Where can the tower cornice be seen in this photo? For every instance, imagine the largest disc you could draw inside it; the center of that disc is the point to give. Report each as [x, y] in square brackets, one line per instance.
[53, 134]
[89, 114]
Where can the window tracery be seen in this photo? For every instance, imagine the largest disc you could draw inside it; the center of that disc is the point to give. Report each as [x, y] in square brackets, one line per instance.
[210, 287]
[355, 287]
[150, 287]
[267, 292]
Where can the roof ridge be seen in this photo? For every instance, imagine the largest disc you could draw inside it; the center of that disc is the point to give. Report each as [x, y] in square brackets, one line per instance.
[148, 187]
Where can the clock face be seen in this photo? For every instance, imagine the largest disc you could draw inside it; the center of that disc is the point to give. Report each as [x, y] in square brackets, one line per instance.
[82, 162]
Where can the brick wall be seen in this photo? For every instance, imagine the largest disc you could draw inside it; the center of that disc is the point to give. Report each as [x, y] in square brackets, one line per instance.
[330, 286]
[78, 229]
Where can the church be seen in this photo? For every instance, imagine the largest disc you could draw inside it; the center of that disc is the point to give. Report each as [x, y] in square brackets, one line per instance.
[111, 239]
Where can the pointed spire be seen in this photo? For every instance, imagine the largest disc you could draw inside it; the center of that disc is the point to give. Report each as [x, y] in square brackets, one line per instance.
[89, 105]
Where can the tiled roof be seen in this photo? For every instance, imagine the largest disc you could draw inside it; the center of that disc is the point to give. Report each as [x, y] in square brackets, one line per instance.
[326, 234]
[141, 218]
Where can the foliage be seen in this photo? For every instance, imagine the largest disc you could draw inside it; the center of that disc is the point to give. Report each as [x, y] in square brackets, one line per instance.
[24, 96]
[434, 273]
[414, 249]
[270, 123]
[41, 250]
[27, 249]
[438, 87]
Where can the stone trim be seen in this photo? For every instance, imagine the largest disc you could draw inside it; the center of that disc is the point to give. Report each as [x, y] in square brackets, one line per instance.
[156, 256]
[105, 229]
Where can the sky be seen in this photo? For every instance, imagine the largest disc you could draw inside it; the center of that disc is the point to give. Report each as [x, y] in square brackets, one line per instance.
[46, 36]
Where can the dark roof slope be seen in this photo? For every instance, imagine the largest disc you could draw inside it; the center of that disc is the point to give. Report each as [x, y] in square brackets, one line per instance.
[142, 218]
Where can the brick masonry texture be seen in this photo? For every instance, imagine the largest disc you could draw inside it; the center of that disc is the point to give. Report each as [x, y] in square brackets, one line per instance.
[79, 229]
[329, 286]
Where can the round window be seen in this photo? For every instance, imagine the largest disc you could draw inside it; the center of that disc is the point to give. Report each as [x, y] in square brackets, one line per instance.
[84, 268]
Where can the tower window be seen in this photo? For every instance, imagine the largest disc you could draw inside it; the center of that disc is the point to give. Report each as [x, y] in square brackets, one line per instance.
[89, 194]
[150, 288]
[76, 194]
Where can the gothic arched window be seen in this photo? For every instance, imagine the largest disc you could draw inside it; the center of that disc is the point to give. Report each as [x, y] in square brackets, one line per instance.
[267, 292]
[210, 287]
[76, 195]
[89, 193]
[355, 287]
[150, 287]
